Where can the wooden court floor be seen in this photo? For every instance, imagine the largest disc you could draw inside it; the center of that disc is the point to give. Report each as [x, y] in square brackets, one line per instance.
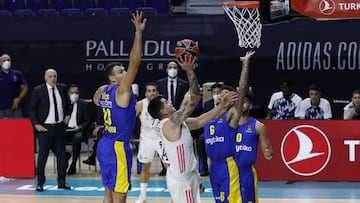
[269, 191]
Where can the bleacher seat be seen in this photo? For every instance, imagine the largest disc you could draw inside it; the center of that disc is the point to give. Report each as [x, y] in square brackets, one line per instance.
[23, 13]
[108, 4]
[71, 12]
[12, 5]
[146, 10]
[84, 4]
[95, 12]
[119, 11]
[47, 12]
[132, 4]
[36, 5]
[5, 13]
[60, 4]
[161, 6]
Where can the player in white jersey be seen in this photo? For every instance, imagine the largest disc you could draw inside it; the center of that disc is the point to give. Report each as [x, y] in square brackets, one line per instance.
[182, 177]
[150, 141]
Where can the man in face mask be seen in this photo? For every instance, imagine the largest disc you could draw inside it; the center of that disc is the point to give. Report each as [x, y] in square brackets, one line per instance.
[13, 89]
[77, 126]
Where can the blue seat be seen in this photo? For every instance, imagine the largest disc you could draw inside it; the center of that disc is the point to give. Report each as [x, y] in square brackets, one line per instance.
[95, 12]
[161, 6]
[12, 5]
[60, 4]
[84, 4]
[5, 13]
[132, 4]
[119, 11]
[36, 5]
[146, 10]
[23, 13]
[47, 12]
[71, 12]
[108, 4]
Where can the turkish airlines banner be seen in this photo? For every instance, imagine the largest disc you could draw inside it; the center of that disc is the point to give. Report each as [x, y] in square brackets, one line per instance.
[327, 8]
[312, 150]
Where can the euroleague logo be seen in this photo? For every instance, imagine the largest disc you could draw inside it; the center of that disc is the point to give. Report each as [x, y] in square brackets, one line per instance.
[305, 150]
[327, 7]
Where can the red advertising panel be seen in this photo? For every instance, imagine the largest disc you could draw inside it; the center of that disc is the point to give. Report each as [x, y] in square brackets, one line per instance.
[327, 8]
[17, 148]
[312, 150]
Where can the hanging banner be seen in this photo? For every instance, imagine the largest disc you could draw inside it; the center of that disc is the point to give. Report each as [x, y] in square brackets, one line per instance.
[327, 9]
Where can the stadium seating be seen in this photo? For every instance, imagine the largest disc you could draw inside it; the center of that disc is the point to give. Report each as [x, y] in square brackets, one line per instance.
[71, 12]
[146, 10]
[119, 11]
[5, 13]
[132, 4]
[95, 12]
[23, 13]
[47, 12]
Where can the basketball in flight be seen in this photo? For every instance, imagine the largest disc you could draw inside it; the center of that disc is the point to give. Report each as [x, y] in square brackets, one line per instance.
[186, 48]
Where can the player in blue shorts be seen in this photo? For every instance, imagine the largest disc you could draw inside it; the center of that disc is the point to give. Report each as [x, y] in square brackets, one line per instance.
[249, 134]
[118, 104]
[219, 142]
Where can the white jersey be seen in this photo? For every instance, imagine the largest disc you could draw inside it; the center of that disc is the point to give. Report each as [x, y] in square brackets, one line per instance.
[307, 111]
[180, 154]
[147, 121]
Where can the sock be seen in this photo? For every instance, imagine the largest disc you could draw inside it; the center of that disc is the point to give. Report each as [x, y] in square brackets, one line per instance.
[143, 187]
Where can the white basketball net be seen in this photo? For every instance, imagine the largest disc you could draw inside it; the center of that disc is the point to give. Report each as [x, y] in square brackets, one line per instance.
[247, 24]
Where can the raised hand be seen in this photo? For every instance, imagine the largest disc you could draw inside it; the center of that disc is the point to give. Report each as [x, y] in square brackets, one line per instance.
[247, 56]
[138, 21]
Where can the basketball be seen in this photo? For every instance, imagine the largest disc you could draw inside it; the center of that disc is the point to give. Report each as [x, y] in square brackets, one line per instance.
[186, 48]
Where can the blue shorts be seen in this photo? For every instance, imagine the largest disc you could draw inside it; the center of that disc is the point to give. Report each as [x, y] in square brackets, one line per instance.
[115, 159]
[225, 183]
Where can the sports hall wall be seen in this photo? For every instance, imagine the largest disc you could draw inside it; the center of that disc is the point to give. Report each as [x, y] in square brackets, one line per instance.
[305, 50]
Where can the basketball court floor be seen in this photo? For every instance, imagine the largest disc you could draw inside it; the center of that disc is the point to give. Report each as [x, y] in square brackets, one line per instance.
[87, 188]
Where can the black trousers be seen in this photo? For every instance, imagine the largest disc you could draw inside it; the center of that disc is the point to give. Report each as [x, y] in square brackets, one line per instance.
[53, 139]
[75, 138]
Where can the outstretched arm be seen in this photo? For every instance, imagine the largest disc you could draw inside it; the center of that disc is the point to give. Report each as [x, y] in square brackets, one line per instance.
[135, 53]
[264, 140]
[236, 112]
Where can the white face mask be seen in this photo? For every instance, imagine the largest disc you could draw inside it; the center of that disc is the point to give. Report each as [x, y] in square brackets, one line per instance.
[172, 72]
[216, 98]
[6, 65]
[74, 98]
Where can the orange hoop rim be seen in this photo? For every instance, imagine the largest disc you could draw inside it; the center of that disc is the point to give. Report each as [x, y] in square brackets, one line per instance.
[242, 4]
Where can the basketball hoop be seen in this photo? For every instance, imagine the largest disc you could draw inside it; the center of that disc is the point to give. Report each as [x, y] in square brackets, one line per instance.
[246, 17]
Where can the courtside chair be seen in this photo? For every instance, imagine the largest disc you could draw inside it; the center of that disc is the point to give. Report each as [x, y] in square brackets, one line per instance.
[146, 10]
[36, 5]
[161, 6]
[132, 4]
[23, 13]
[95, 12]
[71, 12]
[12, 5]
[119, 12]
[60, 4]
[47, 12]
[108, 4]
[84, 4]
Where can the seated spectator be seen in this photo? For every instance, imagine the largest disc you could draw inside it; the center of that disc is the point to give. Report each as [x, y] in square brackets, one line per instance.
[77, 126]
[314, 107]
[282, 104]
[352, 110]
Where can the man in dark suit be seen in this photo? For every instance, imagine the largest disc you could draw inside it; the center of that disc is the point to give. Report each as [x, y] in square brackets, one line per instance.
[78, 125]
[172, 87]
[48, 112]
